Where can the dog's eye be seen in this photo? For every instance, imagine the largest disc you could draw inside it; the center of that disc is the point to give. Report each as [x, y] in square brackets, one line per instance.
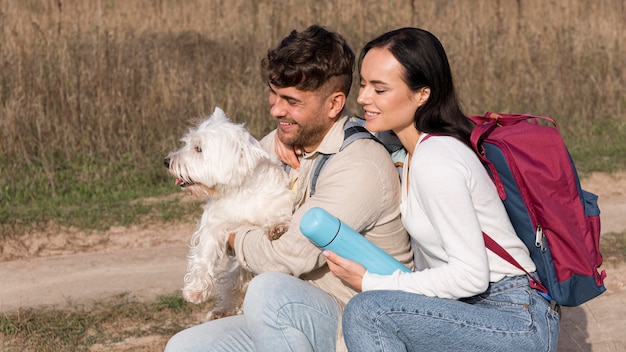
[199, 149]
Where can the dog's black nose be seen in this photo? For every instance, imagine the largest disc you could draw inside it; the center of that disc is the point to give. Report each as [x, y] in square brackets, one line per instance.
[166, 161]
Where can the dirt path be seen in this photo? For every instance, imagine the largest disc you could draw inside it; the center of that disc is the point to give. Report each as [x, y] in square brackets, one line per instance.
[66, 265]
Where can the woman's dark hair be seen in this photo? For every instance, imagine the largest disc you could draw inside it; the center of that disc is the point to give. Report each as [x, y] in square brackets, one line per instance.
[426, 65]
[309, 59]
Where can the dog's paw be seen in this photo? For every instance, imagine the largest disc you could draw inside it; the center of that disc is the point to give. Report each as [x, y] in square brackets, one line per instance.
[214, 315]
[274, 232]
[196, 297]
[218, 314]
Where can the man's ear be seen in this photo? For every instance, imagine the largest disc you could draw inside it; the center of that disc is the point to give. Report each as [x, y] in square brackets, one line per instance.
[337, 101]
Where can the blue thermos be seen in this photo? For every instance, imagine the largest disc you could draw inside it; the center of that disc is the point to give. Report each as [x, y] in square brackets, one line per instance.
[328, 232]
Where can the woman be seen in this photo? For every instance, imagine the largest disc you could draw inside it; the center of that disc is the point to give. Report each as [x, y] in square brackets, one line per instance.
[461, 296]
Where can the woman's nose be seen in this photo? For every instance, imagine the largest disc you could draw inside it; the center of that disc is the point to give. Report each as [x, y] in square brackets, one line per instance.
[362, 98]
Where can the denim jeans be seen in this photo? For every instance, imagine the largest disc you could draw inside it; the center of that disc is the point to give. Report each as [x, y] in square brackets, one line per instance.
[509, 316]
[281, 313]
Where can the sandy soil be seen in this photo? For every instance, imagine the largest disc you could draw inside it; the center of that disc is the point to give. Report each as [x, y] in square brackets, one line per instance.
[66, 265]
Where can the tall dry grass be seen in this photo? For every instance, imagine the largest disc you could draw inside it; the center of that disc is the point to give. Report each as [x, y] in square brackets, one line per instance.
[93, 93]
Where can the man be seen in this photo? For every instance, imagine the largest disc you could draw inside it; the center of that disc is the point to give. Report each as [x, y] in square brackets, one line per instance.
[295, 302]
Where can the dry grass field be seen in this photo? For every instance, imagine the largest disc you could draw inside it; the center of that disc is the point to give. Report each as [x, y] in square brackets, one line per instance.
[101, 89]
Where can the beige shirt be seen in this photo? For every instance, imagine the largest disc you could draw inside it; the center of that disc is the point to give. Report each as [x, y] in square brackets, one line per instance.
[360, 186]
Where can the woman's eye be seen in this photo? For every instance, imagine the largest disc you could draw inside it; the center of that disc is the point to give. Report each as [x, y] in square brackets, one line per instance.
[199, 149]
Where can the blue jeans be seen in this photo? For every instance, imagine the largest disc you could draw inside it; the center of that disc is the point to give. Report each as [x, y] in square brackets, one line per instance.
[281, 313]
[509, 316]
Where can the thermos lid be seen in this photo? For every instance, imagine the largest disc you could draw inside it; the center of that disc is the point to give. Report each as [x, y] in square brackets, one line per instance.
[319, 226]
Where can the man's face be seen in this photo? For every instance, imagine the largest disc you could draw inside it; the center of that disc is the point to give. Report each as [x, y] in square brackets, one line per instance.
[303, 117]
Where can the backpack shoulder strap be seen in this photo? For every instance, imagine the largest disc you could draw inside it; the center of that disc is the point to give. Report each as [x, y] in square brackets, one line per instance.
[496, 248]
[352, 131]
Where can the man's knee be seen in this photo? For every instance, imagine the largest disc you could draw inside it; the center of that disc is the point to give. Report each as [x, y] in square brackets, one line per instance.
[263, 291]
[265, 282]
[177, 342]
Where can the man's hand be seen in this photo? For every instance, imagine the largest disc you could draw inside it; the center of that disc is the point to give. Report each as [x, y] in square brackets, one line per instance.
[345, 269]
[288, 154]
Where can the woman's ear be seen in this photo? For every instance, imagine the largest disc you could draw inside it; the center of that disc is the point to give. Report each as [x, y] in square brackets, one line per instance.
[422, 95]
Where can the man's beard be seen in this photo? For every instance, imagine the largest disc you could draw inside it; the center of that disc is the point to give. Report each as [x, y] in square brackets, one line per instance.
[304, 136]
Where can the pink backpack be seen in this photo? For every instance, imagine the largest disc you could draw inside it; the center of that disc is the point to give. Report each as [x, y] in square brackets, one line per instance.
[539, 186]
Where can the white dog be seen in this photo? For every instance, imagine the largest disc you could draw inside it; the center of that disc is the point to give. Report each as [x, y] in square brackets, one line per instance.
[221, 161]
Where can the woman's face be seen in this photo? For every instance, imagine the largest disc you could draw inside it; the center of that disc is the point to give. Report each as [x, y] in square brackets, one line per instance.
[387, 101]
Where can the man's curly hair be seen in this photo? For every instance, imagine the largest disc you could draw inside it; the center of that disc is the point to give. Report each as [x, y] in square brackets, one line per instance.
[309, 59]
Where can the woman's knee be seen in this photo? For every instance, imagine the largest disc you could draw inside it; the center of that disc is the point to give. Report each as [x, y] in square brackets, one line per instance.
[360, 309]
[363, 302]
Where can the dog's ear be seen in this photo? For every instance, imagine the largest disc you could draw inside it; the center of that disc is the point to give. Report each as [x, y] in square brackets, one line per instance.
[251, 154]
[216, 118]
[220, 114]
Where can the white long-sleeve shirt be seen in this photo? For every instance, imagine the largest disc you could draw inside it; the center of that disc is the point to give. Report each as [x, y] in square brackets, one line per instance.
[447, 199]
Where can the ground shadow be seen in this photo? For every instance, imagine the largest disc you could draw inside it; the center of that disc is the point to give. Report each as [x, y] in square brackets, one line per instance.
[574, 335]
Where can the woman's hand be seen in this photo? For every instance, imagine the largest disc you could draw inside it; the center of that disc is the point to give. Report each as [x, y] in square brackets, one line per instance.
[288, 154]
[345, 269]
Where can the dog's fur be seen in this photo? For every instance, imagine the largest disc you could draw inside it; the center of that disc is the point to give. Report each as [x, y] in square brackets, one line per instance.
[245, 186]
